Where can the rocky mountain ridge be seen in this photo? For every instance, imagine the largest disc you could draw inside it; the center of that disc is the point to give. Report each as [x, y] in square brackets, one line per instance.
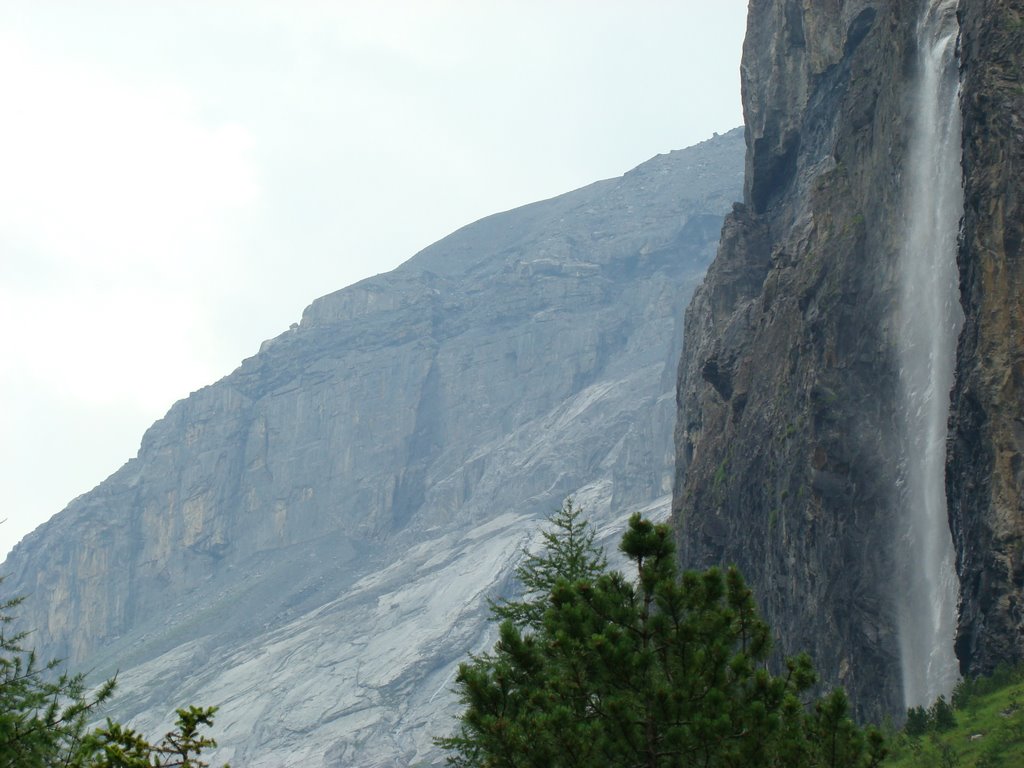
[310, 541]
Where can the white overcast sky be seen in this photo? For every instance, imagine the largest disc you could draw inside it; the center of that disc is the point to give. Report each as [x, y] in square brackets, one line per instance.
[179, 179]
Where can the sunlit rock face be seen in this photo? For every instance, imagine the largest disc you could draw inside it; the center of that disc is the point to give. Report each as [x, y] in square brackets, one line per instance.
[309, 543]
[799, 433]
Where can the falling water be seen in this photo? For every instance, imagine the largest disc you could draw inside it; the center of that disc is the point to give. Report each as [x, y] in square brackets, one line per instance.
[931, 321]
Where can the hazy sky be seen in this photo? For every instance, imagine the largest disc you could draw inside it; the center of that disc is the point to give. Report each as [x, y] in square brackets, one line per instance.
[178, 179]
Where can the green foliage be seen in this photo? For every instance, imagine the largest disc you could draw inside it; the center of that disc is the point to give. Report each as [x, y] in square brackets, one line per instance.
[940, 715]
[116, 746]
[658, 670]
[972, 689]
[981, 727]
[44, 717]
[569, 553]
[43, 714]
[721, 474]
[917, 722]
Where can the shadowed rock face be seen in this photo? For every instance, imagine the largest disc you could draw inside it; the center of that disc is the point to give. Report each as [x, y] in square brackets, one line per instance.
[985, 471]
[787, 382]
[309, 542]
[789, 450]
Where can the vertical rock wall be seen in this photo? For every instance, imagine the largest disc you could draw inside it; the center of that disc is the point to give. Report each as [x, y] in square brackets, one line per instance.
[786, 443]
[985, 477]
[789, 447]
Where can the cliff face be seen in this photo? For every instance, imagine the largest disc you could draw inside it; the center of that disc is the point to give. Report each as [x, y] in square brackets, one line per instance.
[309, 542]
[792, 450]
[985, 477]
[788, 378]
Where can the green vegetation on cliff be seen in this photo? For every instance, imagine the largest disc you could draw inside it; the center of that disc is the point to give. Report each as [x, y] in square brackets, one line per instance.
[983, 727]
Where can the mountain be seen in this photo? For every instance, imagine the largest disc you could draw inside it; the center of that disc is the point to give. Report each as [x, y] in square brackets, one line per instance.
[309, 542]
[877, 518]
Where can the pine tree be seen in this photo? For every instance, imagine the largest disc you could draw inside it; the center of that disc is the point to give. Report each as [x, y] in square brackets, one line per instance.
[116, 746]
[569, 553]
[44, 716]
[43, 713]
[941, 716]
[658, 670]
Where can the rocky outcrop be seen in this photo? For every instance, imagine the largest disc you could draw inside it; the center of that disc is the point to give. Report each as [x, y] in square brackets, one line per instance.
[985, 475]
[785, 447]
[309, 542]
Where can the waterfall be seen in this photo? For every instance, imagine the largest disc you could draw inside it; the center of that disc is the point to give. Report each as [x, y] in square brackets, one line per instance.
[931, 319]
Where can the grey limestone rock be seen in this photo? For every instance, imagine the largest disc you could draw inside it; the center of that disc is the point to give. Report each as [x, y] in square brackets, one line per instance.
[309, 542]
